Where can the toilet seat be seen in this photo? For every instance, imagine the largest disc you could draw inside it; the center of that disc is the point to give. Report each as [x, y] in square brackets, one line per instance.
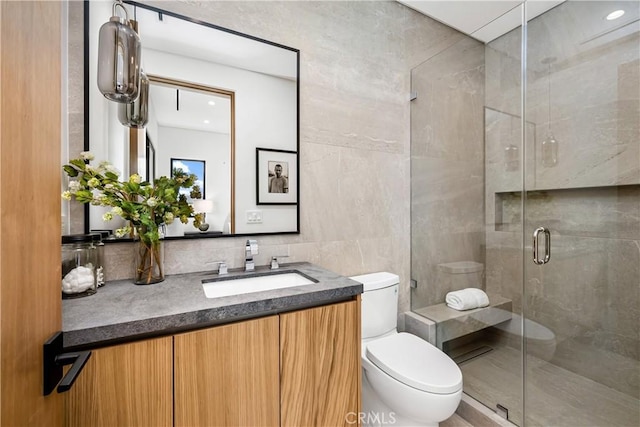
[416, 363]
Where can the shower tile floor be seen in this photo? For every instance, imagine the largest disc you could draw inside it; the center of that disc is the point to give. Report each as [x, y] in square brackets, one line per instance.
[455, 421]
[555, 397]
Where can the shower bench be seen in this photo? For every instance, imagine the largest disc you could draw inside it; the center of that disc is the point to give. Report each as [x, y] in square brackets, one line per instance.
[447, 324]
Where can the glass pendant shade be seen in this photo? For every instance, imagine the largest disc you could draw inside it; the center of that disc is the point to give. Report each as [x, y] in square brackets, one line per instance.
[549, 152]
[549, 144]
[136, 114]
[511, 158]
[119, 52]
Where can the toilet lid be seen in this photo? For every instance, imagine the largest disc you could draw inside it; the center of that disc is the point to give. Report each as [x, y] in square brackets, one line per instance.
[415, 363]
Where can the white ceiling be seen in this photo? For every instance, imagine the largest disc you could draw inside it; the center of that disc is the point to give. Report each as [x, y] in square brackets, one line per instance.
[189, 109]
[480, 19]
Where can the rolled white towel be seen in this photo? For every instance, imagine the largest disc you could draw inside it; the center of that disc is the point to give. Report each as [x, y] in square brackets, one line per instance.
[467, 299]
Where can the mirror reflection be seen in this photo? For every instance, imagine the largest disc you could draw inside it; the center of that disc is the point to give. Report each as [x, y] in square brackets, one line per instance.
[191, 128]
[214, 97]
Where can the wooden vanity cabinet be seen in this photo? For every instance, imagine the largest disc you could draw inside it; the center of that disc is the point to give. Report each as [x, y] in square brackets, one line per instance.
[320, 365]
[228, 375]
[124, 385]
[300, 368]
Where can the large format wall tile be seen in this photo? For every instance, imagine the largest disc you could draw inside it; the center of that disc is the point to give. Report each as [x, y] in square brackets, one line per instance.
[75, 108]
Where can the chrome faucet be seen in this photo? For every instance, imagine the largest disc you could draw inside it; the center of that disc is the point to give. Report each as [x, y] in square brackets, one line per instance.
[274, 261]
[250, 249]
[222, 266]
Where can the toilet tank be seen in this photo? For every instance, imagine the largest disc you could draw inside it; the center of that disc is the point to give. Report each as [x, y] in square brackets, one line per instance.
[379, 311]
[454, 276]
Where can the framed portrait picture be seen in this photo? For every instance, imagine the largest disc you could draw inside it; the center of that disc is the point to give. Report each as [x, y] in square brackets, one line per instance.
[276, 177]
[196, 167]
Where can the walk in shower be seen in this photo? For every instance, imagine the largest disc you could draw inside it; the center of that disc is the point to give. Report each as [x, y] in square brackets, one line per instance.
[537, 129]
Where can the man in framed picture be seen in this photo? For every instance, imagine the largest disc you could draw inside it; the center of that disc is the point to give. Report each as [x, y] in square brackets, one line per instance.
[278, 183]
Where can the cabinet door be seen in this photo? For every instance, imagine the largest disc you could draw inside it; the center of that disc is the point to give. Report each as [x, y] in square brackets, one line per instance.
[228, 375]
[124, 385]
[320, 365]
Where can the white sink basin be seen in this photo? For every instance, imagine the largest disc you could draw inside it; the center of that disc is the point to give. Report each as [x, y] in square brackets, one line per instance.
[245, 285]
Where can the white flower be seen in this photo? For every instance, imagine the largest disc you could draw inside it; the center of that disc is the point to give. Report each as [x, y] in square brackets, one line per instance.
[109, 187]
[135, 179]
[66, 195]
[110, 168]
[152, 201]
[74, 187]
[168, 218]
[121, 232]
[87, 155]
[93, 182]
[103, 165]
[117, 211]
[108, 216]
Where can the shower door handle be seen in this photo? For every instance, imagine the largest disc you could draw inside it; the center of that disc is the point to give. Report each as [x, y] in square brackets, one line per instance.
[547, 245]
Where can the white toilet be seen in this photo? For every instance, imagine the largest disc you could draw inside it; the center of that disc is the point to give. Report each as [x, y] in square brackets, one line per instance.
[406, 381]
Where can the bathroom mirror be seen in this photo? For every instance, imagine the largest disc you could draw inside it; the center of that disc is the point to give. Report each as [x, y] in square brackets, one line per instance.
[215, 96]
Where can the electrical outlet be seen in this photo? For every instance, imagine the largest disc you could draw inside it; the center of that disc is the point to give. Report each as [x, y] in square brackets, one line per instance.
[254, 217]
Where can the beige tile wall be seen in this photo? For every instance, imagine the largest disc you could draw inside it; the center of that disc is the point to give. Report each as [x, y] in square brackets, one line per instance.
[355, 67]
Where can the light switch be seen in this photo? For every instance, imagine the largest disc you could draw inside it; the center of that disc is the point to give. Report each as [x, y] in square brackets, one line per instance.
[254, 217]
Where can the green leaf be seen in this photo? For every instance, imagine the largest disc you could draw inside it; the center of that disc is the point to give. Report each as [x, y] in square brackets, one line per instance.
[70, 170]
[79, 163]
[84, 196]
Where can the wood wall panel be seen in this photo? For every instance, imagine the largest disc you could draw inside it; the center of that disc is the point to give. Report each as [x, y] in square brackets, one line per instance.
[124, 385]
[30, 113]
[228, 375]
[320, 365]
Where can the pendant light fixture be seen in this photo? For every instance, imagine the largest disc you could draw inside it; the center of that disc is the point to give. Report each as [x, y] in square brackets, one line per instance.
[136, 114]
[549, 144]
[119, 54]
[511, 157]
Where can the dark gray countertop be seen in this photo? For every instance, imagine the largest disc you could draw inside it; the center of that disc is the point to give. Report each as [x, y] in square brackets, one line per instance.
[121, 311]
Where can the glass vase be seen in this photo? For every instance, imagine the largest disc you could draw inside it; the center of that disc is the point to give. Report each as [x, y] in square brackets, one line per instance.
[149, 262]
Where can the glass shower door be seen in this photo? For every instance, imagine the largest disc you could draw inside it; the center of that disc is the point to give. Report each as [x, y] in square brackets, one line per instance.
[582, 186]
[496, 377]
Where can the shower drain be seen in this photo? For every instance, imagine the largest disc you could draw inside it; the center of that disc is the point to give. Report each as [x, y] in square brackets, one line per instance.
[472, 354]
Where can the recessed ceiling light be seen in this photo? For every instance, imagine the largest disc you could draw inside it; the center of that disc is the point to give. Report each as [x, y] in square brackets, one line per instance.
[207, 122]
[615, 15]
[211, 103]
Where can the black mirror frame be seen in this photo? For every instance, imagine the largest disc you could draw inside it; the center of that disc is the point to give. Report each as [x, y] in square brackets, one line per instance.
[87, 225]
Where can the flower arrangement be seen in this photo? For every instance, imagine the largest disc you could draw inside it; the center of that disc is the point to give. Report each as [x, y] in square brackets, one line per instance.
[146, 206]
